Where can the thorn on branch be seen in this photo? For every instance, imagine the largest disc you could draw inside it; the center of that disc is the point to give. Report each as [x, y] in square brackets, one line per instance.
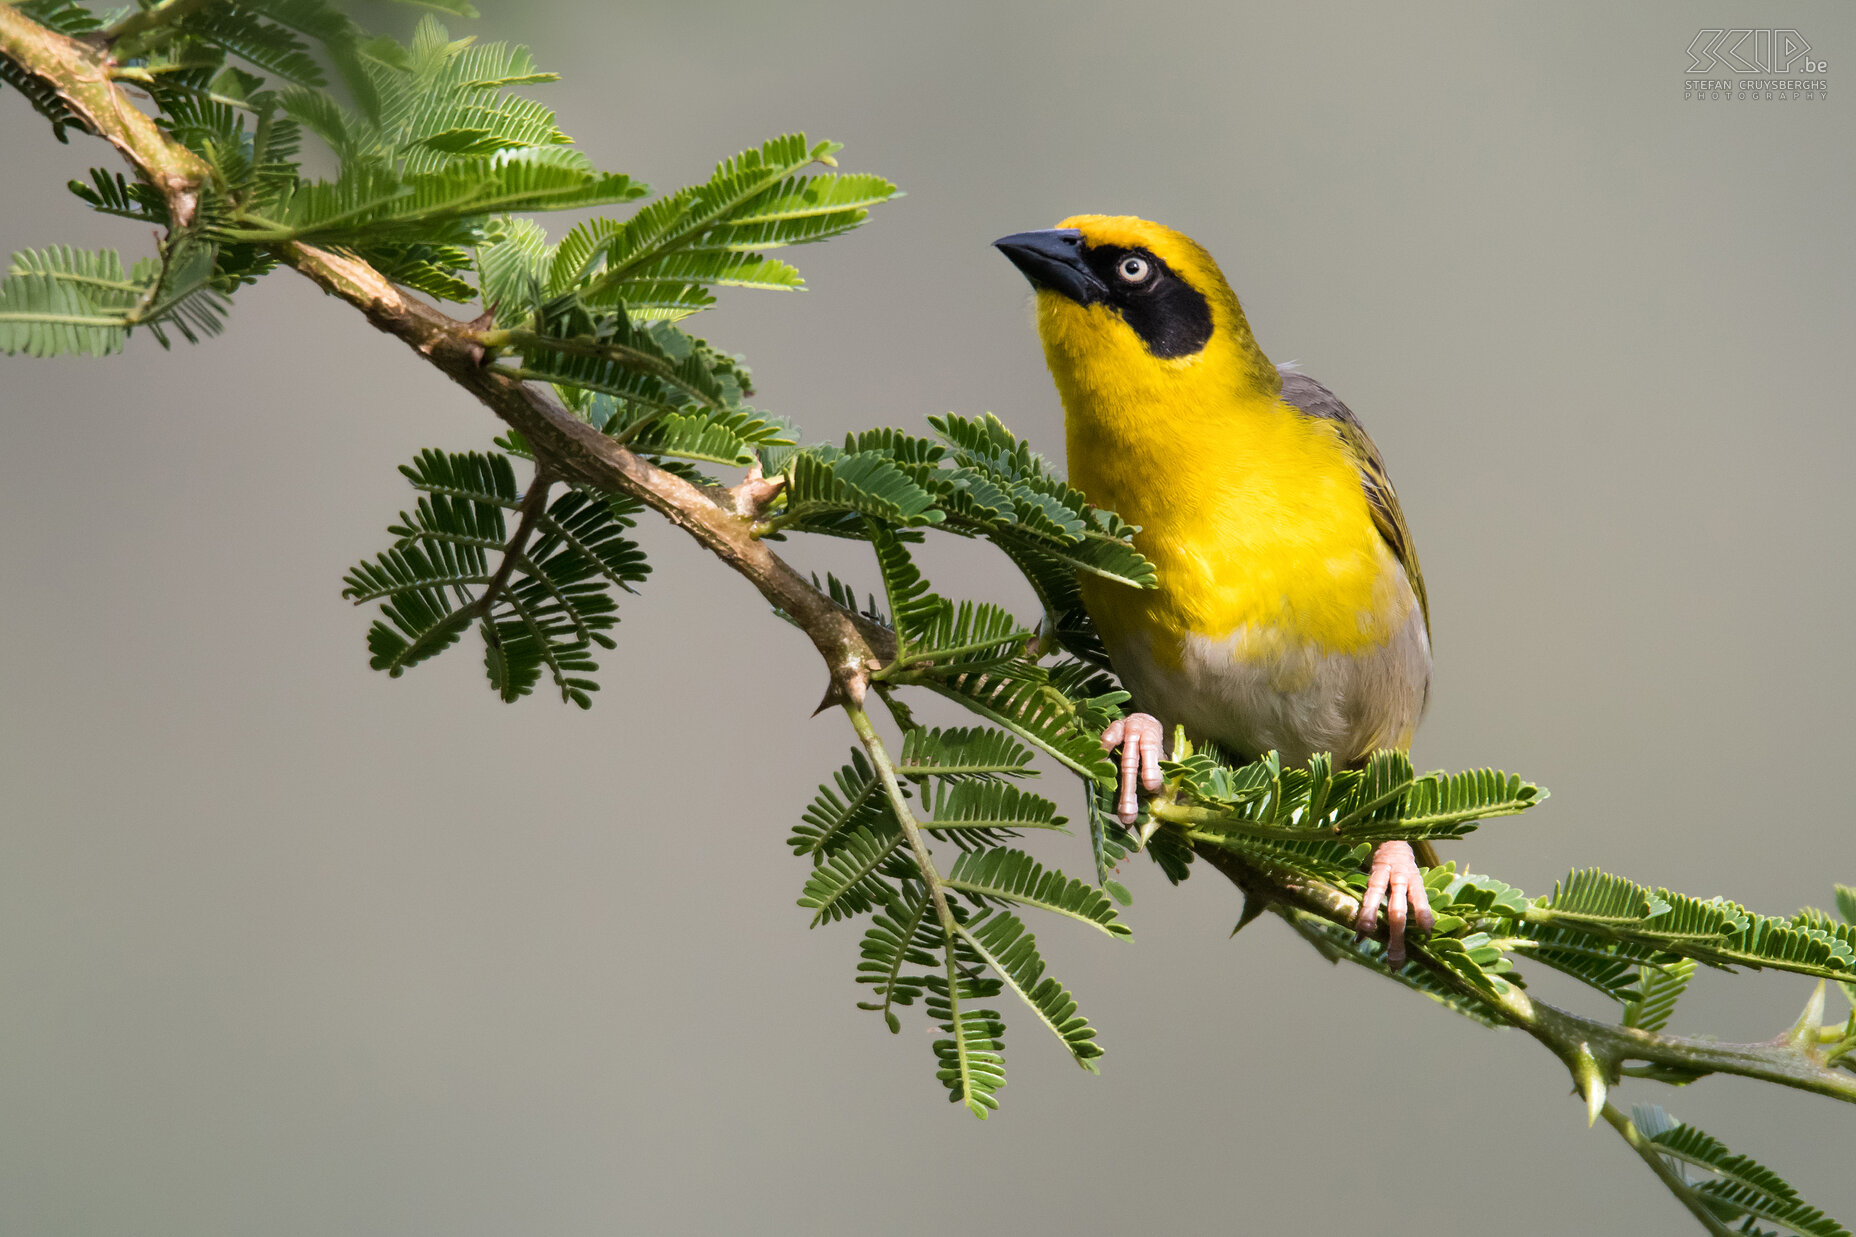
[849, 681]
[834, 696]
[1589, 1074]
[1254, 906]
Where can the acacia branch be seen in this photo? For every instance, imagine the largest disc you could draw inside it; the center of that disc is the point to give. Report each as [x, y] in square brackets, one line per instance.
[1594, 1051]
[850, 644]
[80, 74]
[724, 522]
[886, 773]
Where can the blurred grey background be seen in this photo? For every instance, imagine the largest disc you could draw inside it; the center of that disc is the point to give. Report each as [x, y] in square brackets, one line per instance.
[290, 948]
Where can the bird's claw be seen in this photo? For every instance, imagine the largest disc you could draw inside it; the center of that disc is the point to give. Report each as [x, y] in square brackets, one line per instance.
[1139, 736]
[1396, 881]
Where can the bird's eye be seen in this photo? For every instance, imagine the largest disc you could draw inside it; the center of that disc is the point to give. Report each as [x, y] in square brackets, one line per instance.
[1132, 268]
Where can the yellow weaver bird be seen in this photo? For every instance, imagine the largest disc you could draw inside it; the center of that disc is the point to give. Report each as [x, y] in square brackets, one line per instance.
[1290, 613]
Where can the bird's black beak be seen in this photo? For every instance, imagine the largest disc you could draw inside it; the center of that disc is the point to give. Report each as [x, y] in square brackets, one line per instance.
[1053, 258]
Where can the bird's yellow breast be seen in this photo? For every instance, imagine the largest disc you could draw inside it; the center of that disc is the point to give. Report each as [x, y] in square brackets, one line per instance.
[1251, 511]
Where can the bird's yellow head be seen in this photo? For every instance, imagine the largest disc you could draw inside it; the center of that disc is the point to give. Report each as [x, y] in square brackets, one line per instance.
[1123, 301]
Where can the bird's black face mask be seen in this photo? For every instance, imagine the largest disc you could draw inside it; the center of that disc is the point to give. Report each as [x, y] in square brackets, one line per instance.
[1172, 318]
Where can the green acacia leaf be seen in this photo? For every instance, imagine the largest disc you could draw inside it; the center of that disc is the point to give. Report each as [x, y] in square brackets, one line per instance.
[849, 880]
[435, 270]
[679, 224]
[1714, 931]
[863, 483]
[512, 263]
[239, 30]
[971, 1059]
[582, 244]
[854, 801]
[902, 934]
[1660, 987]
[962, 751]
[668, 276]
[660, 263]
[1477, 958]
[1013, 876]
[1738, 1186]
[630, 365]
[1019, 697]
[1004, 944]
[339, 36]
[913, 607]
[961, 638]
[556, 605]
[370, 203]
[1440, 805]
[730, 437]
[64, 16]
[1089, 553]
[968, 805]
[1613, 968]
[62, 301]
[111, 193]
[800, 209]
[1376, 797]
[1590, 896]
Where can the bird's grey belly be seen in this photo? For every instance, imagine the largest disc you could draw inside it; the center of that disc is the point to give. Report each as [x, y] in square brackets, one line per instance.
[1251, 692]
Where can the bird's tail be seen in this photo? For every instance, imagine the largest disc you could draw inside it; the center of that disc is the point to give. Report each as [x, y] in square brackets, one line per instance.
[1423, 852]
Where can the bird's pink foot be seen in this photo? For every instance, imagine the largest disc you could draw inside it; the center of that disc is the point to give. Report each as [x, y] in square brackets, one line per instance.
[1396, 881]
[1139, 736]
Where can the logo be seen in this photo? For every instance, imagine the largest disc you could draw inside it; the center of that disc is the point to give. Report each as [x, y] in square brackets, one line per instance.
[1754, 66]
[1751, 51]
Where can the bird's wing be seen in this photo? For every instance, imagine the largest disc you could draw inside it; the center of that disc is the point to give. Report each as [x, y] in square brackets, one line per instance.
[1315, 400]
